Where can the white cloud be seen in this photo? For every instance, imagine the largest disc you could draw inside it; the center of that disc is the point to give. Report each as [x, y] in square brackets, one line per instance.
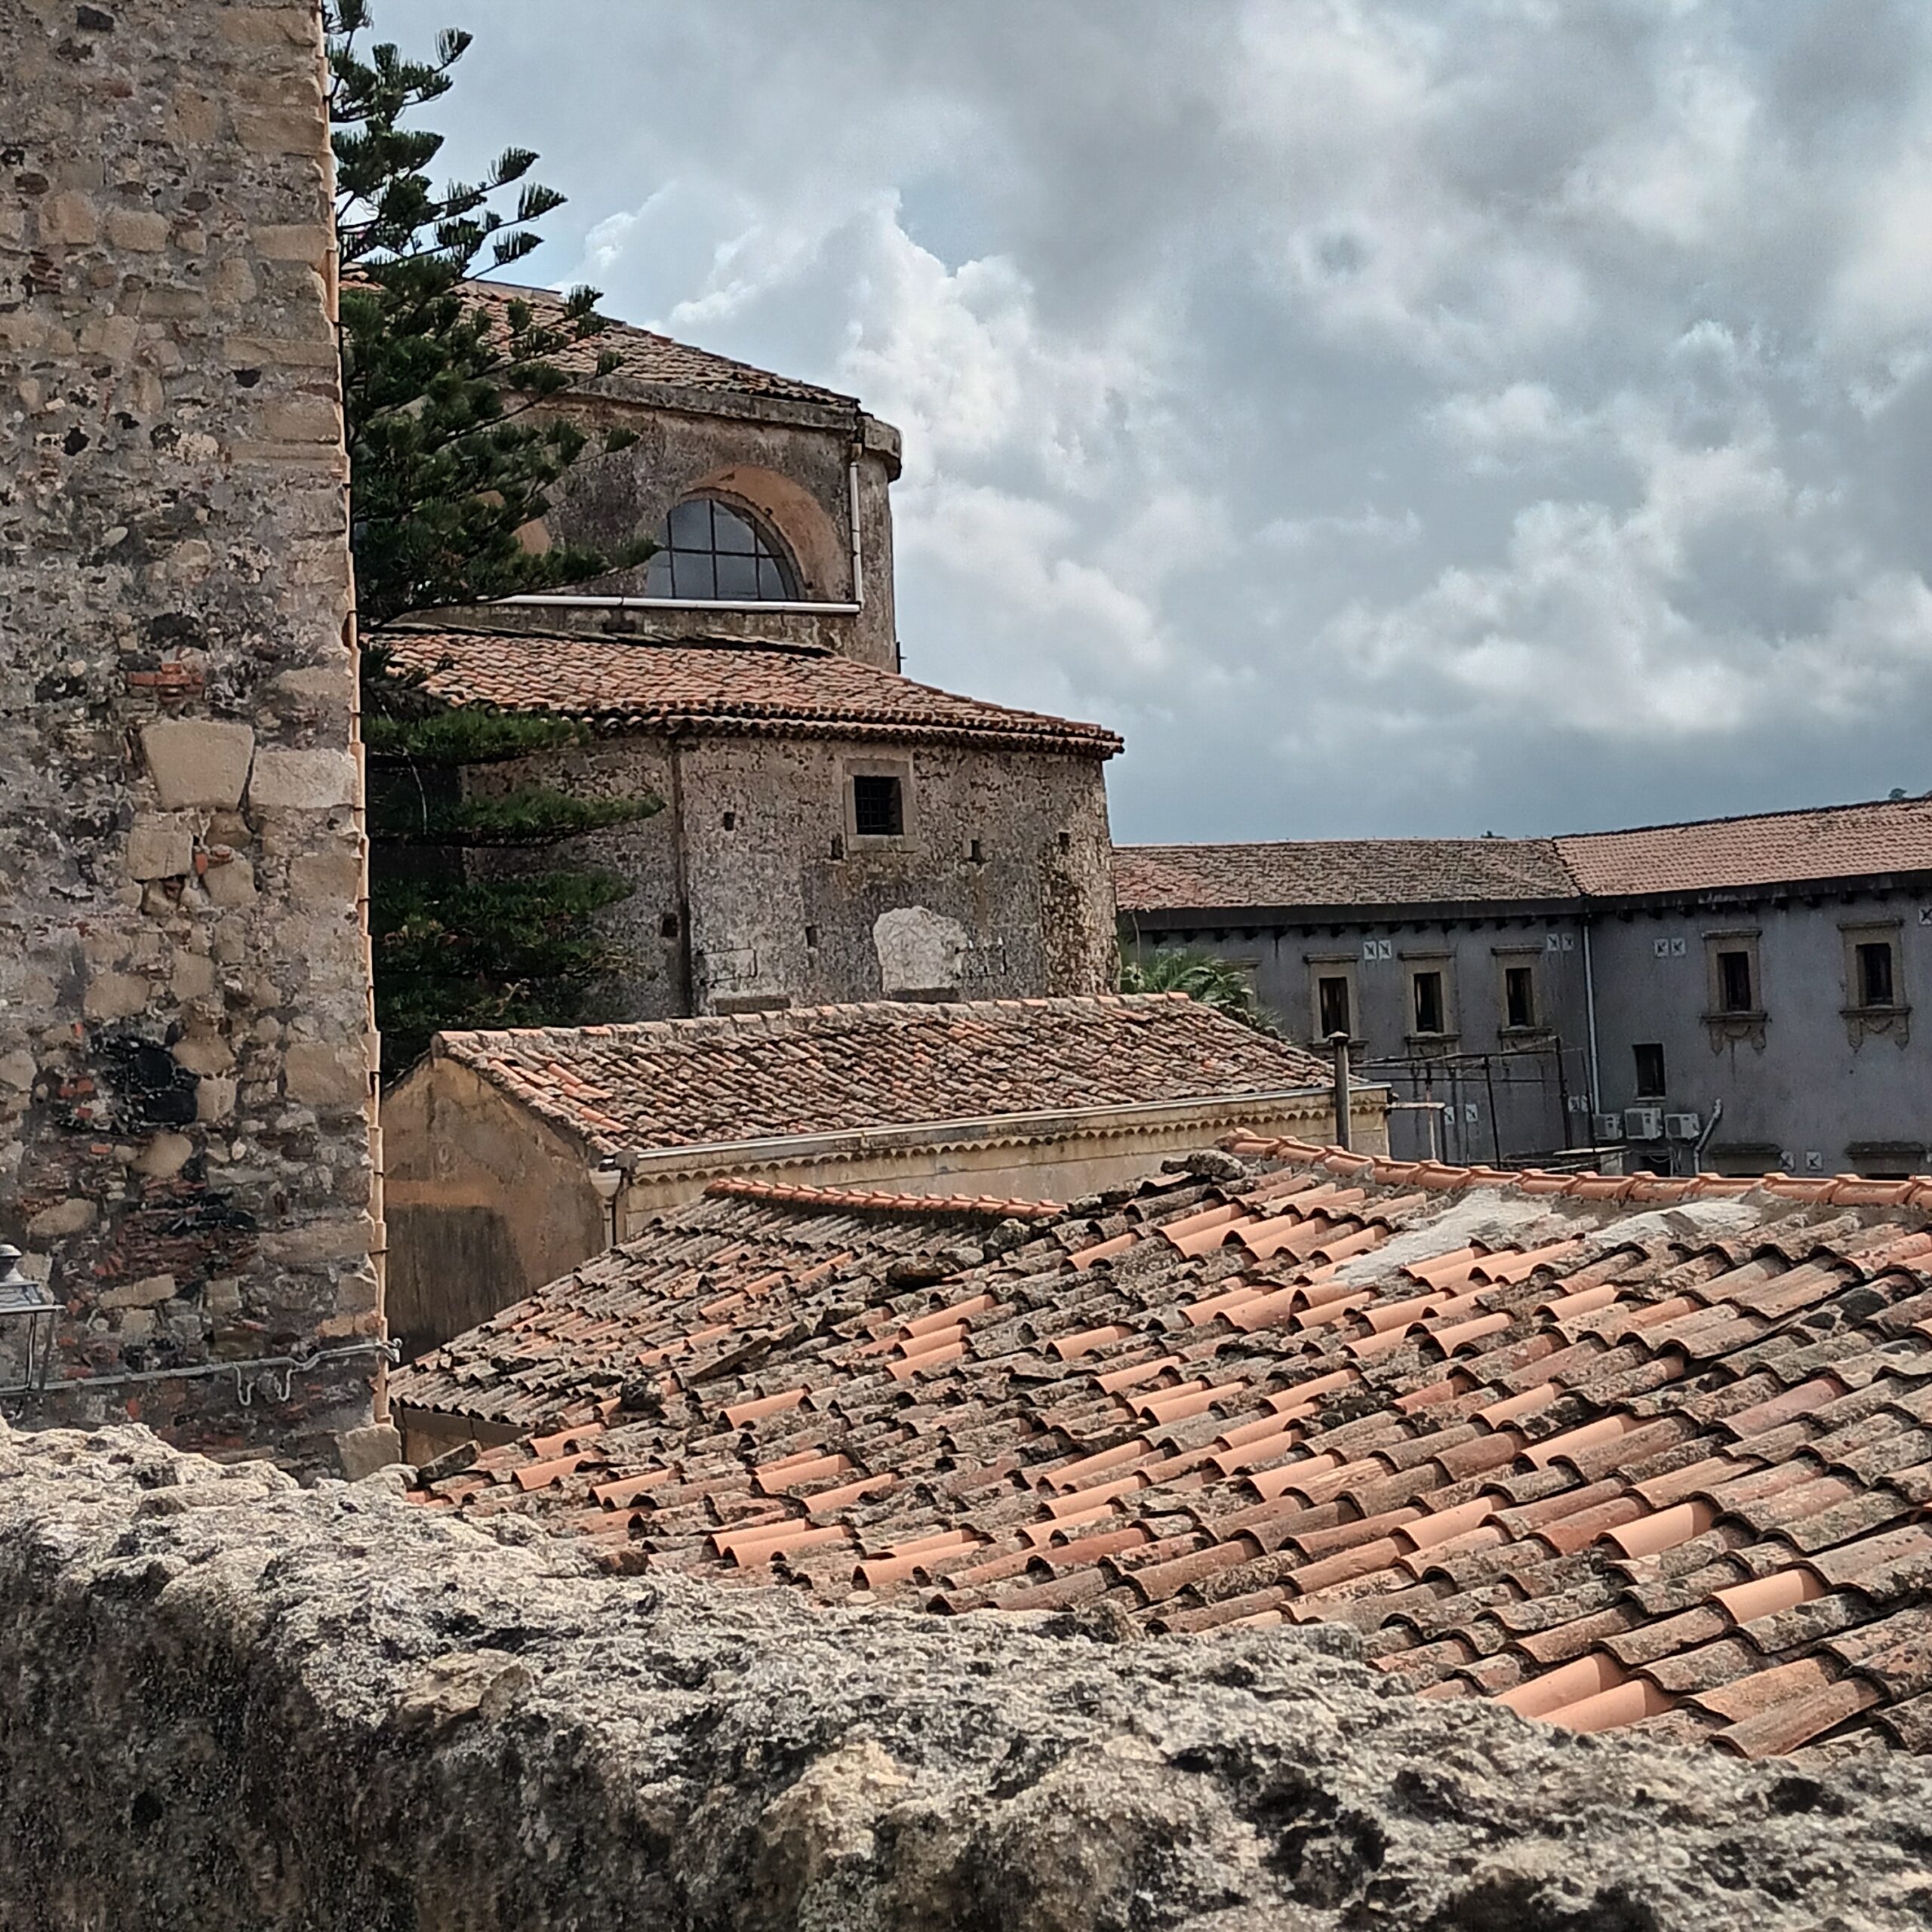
[1395, 413]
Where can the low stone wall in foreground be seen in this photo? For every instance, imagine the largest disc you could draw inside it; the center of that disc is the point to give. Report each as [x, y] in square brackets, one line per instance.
[226, 1702]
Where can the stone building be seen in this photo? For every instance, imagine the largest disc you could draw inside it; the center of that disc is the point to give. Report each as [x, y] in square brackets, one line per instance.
[826, 831]
[185, 1042]
[492, 1141]
[1734, 993]
[829, 831]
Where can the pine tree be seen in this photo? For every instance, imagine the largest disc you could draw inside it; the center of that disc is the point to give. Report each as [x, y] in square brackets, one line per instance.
[450, 454]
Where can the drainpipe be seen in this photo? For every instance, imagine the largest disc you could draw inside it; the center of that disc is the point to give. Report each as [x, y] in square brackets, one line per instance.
[1590, 1011]
[1703, 1140]
[770, 607]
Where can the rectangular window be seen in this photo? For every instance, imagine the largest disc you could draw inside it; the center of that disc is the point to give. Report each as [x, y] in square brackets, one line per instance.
[1519, 996]
[1430, 1011]
[1735, 994]
[1331, 997]
[1649, 1071]
[1876, 981]
[878, 807]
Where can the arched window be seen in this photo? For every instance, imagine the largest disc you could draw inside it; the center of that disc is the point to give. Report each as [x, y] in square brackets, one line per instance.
[713, 552]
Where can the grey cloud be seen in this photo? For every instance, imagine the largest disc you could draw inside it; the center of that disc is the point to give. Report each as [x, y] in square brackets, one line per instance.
[1396, 415]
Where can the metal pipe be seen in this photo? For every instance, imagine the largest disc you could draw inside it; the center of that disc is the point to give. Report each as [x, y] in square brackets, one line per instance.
[780, 606]
[1338, 1043]
[1590, 1015]
[1704, 1139]
[390, 1351]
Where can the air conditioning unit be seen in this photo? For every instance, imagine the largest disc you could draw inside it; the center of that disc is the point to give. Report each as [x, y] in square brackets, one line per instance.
[1607, 1126]
[1643, 1123]
[1682, 1127]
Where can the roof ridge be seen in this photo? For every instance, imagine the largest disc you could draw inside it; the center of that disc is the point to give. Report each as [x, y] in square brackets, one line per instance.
[1923, 800]
[843, 1200]
[1656, 1190]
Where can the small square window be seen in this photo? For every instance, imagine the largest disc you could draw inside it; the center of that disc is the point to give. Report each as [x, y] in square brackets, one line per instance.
[1331, 993]
[1429, 1007]
[1519, 995]
[1876, 982]
[878, 807]
[1735, 993]
[1649, 1071]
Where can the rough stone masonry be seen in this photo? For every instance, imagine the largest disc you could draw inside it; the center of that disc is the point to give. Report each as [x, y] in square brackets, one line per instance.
[235, 1703]
[185, 1031]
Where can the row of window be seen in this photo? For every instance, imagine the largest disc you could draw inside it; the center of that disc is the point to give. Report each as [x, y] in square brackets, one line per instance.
[1872, 980]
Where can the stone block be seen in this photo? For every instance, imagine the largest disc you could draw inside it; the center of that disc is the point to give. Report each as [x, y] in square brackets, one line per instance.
[164, 1156]
[316, 1242]
[302, 419]
[65, 1217]
[199, 761]
[363, 1451]
[280, 129]
[303, 780]
[115, 996]
[149, 1292]
[230, 883]
[192, 976]
[326, 1075]
[138, 229]
[214, 1099]
[161, 845]
[136, 1325]
[204, 1053]
[69, 218]
[297, 241]
[327, 878]
[18, 1070]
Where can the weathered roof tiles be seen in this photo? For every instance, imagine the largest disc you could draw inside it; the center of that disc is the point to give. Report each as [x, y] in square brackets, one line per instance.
[730, 1079]
[717, 688]
[1545, 1442]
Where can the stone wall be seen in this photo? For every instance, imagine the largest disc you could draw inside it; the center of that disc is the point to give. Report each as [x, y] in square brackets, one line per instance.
[237, 1704]
[184, 1052]
[749, 890]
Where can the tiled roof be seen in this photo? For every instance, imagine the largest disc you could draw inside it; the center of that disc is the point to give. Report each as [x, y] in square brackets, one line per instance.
[826, 1069]
[1778, 848]
[1830, 841]
[1338, 871]
[723, 689]
[647, 358]
[1624, 1453]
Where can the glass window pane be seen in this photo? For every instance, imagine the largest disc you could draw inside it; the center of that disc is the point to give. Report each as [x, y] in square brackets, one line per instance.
[732, 533]
[737, 577]
[657, 580]
[691, 525]
[770, 580]
[692, 571]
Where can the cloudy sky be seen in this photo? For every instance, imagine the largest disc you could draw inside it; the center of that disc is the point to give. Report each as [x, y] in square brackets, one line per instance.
[1393, 416]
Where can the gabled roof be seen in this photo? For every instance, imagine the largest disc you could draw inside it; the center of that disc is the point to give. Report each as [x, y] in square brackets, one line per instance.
[1340, 872]
[718, 688]
[740, 1077]
[1625, 1453]
[1775, 848]
[648, 357]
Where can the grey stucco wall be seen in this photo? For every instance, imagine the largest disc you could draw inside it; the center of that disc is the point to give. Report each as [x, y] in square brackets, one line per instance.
[185, 1081]
[1813, 1092]
[1520, 1107]
[786, 462]
[739, 896]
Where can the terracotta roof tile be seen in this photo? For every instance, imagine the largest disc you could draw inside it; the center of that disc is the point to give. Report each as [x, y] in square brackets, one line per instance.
[1738, 1553]
[718, 689]
[1829, 841]
[644, 356]
[727, 1079]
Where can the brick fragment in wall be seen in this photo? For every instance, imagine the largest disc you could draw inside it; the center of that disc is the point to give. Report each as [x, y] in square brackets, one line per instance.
[176, 667]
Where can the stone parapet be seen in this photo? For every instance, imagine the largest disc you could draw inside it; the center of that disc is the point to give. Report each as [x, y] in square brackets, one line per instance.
[256, 1706]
